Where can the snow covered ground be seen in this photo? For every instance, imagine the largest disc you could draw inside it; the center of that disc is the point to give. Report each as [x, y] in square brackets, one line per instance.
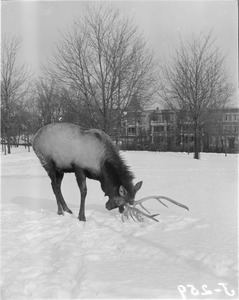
[188, 254]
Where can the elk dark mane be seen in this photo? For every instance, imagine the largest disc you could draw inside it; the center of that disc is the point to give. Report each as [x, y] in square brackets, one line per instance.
[116, 169]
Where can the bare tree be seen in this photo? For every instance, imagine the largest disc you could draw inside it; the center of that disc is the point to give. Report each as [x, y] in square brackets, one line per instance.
[195, 80]
[106, 61]
[14, 86]
[48, 101]
[28, 121]
[76, 110]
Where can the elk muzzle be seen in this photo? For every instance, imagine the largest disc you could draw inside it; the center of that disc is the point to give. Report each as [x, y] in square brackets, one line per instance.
[111, 204]
[118, 203]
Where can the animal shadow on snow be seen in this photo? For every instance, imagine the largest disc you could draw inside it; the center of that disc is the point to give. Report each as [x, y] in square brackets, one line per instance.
[39, 204]
[35, 204]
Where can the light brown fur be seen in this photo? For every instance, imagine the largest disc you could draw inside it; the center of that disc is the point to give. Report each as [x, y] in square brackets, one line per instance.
[69, 145]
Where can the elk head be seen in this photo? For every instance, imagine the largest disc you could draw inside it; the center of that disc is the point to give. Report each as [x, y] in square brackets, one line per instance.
[121, 197]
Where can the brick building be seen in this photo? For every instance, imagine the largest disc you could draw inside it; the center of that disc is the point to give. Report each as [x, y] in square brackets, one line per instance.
[222, 130]
[165, 130]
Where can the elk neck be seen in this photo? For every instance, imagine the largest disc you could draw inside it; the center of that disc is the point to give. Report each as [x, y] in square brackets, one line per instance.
[113, 176]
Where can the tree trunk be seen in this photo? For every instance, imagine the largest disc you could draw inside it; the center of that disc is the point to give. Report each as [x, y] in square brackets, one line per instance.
[18, 138]
[8, 138]
[28, 142]
[4, 148]
[196, 142]
[106, 126]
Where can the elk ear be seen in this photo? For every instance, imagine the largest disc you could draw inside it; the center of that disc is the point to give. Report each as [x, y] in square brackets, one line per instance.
[138, 186]
[122, 191]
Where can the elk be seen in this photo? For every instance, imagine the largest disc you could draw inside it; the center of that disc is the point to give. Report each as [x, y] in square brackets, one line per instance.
[64, 148]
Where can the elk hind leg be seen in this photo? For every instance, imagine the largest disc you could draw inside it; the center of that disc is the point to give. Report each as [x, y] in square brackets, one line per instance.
[59, 177]
[55, 188]
[81, 181]
[56, 179]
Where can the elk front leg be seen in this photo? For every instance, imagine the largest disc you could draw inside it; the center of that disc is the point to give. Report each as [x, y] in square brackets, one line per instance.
[81, 180]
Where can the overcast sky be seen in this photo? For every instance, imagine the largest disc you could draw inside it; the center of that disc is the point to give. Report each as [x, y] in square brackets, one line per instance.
[162, 23]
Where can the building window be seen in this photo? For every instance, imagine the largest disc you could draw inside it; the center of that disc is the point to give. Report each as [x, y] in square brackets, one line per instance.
[228, 118]
[131, 130]
[158, 128]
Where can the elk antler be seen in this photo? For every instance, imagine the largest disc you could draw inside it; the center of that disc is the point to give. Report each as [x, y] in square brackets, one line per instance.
[134, 212]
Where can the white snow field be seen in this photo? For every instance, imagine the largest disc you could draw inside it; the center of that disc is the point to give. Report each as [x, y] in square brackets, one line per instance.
[186, 255]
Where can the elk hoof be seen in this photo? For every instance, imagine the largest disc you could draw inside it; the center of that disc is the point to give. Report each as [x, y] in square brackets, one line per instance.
[69, 211]
[60, 213]
[82, 218]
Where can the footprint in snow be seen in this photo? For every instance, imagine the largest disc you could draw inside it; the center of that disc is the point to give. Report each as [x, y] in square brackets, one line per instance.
[175, 223]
